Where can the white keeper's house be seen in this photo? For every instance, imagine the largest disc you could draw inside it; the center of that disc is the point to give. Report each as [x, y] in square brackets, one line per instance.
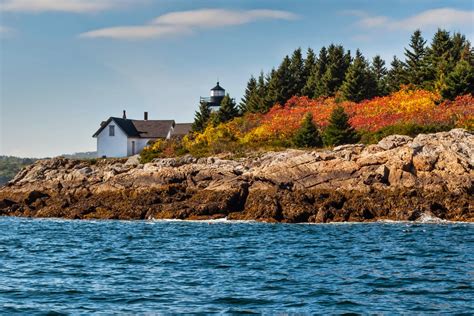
[122, 137]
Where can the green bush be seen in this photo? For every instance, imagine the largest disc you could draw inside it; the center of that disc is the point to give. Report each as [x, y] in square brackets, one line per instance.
[162, 149]
[308, 134]
[339, 131]
[10, 166]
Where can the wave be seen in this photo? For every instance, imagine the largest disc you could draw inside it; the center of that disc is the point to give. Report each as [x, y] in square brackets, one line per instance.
[205, 221]
[425, 218]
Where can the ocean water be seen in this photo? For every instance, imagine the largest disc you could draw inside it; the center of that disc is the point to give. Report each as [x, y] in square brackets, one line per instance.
[83, 267]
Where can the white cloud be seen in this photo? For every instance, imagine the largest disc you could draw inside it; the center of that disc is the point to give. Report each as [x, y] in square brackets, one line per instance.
[443, 17]
[136, 32]
[187, 22]
[74, 6]
[220, 17]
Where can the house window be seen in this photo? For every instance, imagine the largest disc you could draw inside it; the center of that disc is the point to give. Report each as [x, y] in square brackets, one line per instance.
[111, 130]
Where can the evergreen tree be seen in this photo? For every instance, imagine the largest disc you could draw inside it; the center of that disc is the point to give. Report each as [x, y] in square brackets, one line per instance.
[249, 92]
[256, 102]
[416, 70]
[271, 84]
[379, 74]
[284, 77]
[309, 64]
[460, 81]
[297, 73]
[468, 54]
[262, 92]
[339, 131]
[322, 66]
[314, 86]
[201, 117]
[460, 50]
[396, 75]
[438, 59]
[338, 62]
[359, 83]
[227, 110]
[308, 134]
[280, 84]
[272, 89]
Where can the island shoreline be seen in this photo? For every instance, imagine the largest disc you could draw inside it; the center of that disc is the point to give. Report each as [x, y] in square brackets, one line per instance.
[400, 178]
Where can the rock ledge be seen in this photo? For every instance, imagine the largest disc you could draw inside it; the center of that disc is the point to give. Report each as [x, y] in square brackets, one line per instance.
[400, 178]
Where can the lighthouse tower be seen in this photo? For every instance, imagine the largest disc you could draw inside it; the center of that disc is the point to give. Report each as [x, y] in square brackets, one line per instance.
[215, 99]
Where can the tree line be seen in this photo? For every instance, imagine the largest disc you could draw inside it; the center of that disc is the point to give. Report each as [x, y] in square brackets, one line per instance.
[445, 65]
[10, 166]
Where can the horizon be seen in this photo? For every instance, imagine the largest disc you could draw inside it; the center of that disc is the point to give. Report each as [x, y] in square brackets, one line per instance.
[66, 67]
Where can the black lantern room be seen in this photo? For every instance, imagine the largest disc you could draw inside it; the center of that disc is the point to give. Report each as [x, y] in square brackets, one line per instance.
[216, 96]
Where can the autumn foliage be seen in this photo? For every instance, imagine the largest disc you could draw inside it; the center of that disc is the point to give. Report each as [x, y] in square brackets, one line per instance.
[277, 128]
[405, 106]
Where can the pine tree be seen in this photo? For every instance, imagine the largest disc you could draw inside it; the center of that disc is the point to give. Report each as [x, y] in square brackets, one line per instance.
[249, 92]
[308, 134]
[227, 110]
[314, 86]
[416, 69]
[201, 118]
[256, 103]
[338, 62]
[271, 84]
[379, 73]
[339, 131]
[309, 64]
[322, 66]
[460, 81]
[296, 69]
[396, 75]
[272, 89]
[438, 58]
[460, 50]
[261, 93]
[284, 78]
[359, 83]
[280, 84]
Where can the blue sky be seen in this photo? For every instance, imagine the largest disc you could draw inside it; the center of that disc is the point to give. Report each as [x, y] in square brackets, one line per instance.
[66, 65]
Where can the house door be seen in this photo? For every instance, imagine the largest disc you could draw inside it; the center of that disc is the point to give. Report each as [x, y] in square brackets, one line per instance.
[133, 147]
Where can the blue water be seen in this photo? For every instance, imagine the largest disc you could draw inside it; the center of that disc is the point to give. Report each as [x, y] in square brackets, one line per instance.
[83, 267]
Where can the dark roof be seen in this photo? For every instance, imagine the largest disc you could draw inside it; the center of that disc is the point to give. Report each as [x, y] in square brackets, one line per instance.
[153, 128]
[218, 87]
[140, 128]
[182, 129]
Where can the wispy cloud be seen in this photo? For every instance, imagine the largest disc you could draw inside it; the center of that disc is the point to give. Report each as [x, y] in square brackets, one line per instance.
[73, 6]
[187, 22]
[442, 17]
[220, 17]
[136, 32]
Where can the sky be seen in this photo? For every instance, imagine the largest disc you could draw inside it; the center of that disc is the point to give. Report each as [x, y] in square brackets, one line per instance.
[67, 65]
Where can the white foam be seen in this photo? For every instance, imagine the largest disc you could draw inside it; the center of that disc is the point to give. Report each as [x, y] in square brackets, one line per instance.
[204, 221]
[427, 218]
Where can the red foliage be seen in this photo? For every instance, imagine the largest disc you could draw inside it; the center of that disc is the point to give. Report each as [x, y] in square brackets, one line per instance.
[405, 106]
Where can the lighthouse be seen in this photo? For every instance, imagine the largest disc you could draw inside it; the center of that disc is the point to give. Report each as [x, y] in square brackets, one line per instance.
[216, 95]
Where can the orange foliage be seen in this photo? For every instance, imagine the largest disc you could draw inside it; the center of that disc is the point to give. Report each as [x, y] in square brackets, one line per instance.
[405, 106]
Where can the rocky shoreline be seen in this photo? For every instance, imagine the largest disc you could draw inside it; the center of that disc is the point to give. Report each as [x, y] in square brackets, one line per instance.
[400, 178]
